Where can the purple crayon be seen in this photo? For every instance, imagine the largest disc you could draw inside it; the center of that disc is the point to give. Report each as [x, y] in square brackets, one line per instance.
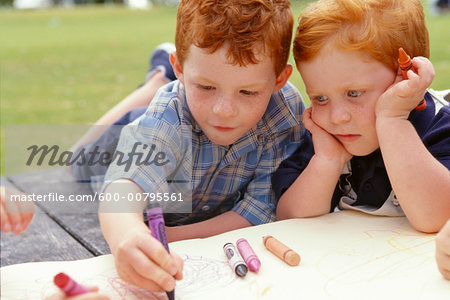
[69, 286]
[248, 255]
[157, 227]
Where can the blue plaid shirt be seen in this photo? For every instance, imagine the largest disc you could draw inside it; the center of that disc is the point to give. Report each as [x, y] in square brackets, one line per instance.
[222, 178]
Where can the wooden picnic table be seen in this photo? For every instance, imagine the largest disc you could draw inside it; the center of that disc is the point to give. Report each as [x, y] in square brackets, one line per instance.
[53, 235]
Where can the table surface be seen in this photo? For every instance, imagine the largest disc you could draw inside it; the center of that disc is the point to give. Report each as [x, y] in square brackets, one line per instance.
[53, 235]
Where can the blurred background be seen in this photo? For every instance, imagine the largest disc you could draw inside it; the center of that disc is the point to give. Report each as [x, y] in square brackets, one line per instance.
[69, 61]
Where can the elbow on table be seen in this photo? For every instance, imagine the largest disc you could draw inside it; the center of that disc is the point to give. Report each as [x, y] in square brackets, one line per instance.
[428, 218]
[284, 213]
[427, 225]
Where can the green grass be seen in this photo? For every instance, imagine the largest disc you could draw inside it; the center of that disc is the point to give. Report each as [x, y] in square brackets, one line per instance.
[69, 66]
[438, 27]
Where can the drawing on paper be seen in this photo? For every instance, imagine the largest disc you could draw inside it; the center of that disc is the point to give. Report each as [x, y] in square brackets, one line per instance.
[201, 274]
[381, 256]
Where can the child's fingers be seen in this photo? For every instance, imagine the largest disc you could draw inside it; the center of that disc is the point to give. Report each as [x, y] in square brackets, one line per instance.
[137, 262]
[16, 223]
[417, 81]
[5, 223]
[424, 69]
[27, 212]
[413, 84]
[92, 288]
[443, 261]
[423, 66]
[164, 268]
[149, 275]
[411, 90]
[19, 222]
[180, 263]
[143, 261]
[157, 253]
[14, 216]
[145, 283]
[124, 266]
[26, 220]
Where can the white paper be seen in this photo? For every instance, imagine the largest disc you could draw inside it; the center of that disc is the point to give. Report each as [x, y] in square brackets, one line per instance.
[344, 255]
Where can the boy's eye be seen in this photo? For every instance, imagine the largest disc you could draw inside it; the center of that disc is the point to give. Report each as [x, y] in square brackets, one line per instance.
[248, 93]
[353, 94]
[319, 99]
[205, 87]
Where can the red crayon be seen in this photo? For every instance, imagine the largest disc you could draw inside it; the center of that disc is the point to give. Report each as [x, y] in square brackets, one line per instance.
[69, 286]
[405, 64]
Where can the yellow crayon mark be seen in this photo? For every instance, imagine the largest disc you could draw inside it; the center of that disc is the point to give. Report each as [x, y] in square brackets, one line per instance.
[264, 292]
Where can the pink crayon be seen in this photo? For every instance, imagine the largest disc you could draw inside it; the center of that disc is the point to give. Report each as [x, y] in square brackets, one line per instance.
[248, 255]
[69, 286]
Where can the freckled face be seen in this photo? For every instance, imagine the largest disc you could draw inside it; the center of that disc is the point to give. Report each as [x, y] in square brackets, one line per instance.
[343, 86]
[226, 100]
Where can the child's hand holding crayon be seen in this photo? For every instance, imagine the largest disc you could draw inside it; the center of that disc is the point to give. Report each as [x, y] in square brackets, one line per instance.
[405, 93]
[143, 261]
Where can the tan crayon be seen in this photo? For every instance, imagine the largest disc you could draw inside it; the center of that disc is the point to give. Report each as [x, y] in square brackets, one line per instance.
[285, 253]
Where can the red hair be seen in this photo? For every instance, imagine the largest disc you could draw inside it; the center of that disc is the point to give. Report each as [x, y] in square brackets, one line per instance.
[245, 27]
[378, 27]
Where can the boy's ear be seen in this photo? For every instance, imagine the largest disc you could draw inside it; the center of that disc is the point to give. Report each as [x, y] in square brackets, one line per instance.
[177, 69]
[283, 78]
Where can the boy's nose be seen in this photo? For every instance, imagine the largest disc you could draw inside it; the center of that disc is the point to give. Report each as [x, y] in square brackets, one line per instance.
[225, 107]
[340, 114]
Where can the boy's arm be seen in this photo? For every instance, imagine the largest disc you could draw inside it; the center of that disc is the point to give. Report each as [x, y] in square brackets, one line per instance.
[419, 180]
[311, 193]
[140, 259]
[222, 223]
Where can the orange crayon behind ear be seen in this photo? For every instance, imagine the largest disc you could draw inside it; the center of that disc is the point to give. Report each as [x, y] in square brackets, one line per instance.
[405, 64]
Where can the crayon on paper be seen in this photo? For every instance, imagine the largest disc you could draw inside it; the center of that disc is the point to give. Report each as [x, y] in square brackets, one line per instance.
[248, 255]
[285, 253]
[69, 286]
[237, 264]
